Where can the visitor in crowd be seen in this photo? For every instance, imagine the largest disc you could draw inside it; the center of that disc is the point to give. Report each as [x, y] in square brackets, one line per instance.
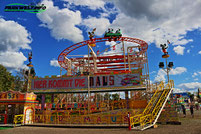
[197, 105]
[184, 110]
[191, 109]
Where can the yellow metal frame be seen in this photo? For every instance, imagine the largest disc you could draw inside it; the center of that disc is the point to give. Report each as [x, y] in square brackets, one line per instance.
[18, 119]
[150, 113]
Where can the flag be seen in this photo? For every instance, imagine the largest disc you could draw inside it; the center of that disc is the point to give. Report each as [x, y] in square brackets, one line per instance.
[168, 41]
[113, 47]
[98, 52]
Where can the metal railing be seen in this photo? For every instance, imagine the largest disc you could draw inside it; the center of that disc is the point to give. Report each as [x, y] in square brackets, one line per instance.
[18, 119]
[154, 107]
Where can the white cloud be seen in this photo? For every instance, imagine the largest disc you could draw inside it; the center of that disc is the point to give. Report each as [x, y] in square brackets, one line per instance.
[188, 51]
[101, 24]
[190, 86]
[182, 42]
[13, 37]
[196, 79]
[61, 22]
[54, 63]
[199, 52]
[179, 50]
[161, 75]
[178, 70]
[92, 4]
[158, 21]
[194, 74]
[177, 90]
[13, 60]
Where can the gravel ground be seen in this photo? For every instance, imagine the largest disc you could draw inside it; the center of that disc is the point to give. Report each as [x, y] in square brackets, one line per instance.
[189, 126]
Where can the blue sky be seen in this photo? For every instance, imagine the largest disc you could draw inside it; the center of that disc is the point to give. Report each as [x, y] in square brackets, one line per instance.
[67, 22]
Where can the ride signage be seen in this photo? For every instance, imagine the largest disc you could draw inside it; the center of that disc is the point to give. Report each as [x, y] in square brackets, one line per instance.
[59, 83]
[81, 83]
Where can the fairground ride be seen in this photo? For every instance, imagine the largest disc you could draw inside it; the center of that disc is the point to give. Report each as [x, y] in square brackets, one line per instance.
[132, 58]
[85, 93]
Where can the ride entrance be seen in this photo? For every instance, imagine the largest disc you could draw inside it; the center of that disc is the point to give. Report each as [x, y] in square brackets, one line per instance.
[101, 87]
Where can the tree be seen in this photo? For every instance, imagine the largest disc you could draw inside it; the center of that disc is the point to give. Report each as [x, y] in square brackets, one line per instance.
[19, 82]
[107, 96]
[6, 79]
[115, 96]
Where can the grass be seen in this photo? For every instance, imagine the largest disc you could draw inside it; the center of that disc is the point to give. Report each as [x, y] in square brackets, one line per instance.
[2, 128]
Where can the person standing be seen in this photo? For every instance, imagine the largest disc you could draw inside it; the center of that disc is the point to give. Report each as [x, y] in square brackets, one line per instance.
[183, 109]
[191, 109]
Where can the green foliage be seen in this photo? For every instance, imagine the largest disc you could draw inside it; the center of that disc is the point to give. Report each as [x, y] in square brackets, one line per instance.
[107, 96]
[10, 82]
[19, 82]
[115, 96]
[6, 79]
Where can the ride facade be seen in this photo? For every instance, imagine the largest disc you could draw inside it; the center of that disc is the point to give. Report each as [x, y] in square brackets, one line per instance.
[97, 88]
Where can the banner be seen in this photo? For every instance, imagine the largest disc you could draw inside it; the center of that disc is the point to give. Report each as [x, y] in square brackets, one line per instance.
[81, 83]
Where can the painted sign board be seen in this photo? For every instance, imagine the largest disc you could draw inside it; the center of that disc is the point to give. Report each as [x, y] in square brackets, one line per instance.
[81, 83]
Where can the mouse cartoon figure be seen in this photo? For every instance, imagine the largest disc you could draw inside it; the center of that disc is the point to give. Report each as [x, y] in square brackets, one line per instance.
[92, 34]
[164, 48]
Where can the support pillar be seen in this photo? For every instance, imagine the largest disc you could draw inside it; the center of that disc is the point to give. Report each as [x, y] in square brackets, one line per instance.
[52, 98]
[127, 99]
[43, 102]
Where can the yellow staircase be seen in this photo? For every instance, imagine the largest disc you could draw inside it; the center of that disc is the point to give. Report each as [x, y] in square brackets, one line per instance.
[154, 108]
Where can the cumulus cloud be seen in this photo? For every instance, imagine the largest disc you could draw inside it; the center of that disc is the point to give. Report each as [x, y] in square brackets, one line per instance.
[177, 90]
[13, 60]
[178, 70]
[13, 37]
[199, 52]
[179, 50]
[54, 63]
[92, 4]
[62, 22]
[182, 42]
[162, 74]
[190, 86]
[101, 24]
[195, 74]
[158, 21]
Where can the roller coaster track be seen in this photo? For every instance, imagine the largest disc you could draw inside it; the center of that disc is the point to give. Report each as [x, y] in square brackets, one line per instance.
[154, 108]
[64, 53]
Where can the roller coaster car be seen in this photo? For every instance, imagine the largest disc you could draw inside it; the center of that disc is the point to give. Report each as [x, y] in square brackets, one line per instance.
[115, 35]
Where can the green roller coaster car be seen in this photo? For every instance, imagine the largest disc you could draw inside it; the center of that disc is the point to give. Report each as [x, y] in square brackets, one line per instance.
[110, 33]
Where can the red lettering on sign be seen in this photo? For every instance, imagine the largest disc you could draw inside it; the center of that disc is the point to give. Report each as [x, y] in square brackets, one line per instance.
[50, 84]
[54, 83]
[79, 82]
[111, 79]
[44, 84]
[98, 81]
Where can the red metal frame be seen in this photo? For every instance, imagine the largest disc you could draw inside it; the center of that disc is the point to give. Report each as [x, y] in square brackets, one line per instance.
[104, 61]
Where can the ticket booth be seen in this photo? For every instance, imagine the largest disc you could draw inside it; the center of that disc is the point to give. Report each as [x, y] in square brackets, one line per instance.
[16, 103]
